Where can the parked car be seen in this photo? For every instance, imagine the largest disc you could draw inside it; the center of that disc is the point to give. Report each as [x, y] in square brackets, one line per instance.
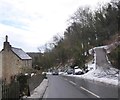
[78, 71]
[55, 73]
[44, 73]
[70, 71]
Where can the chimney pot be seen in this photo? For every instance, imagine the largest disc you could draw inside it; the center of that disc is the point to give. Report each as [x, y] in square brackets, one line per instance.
[6, 38]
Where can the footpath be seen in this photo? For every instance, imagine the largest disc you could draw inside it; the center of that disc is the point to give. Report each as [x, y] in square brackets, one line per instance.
[38, 92]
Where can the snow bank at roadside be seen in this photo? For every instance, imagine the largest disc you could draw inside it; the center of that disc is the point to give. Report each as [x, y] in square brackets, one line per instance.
[99, 75]
[109, 75]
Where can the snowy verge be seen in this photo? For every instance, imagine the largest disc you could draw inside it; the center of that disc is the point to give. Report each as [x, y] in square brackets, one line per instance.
[39, 91]
[98, 75]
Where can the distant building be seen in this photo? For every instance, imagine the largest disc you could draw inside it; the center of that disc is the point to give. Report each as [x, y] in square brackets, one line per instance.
[35, 58]
[13, 61]
[34, 55]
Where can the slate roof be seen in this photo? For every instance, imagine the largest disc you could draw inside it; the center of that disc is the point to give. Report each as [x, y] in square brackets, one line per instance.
[21, 54]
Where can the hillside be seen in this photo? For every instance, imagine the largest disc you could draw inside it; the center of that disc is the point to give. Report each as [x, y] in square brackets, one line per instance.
[114, 57]
[87, 29]
[114, 54]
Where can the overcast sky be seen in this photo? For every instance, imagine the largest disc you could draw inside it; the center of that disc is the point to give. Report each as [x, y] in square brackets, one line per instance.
[30, 24]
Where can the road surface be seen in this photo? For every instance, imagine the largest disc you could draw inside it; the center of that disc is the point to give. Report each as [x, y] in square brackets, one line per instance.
[71, 87]
[101, 58]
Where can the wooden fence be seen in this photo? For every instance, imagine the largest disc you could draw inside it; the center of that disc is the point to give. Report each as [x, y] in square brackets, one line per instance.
[10, 90]
[20, 87]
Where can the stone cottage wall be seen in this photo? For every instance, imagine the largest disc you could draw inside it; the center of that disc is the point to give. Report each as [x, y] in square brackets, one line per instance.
[13, 65]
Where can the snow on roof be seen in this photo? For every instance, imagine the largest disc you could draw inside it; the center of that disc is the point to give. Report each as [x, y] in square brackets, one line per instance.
[20, 53]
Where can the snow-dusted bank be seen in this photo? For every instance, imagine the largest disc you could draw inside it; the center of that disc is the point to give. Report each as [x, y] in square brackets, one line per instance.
[102, 70]
[98, 75]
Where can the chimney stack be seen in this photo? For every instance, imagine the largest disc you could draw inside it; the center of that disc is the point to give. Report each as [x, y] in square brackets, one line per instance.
[6, 37]
[7, 46]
